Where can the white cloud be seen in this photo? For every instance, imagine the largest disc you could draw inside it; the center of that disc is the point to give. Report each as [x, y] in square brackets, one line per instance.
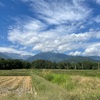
[98, 35]
[92, 50]
[12, 50]
[55, 12]
[34, 25]
[67, 18]
[47, 40]
[26, 33]
[97, 19]
[98, 1]
[76, 53]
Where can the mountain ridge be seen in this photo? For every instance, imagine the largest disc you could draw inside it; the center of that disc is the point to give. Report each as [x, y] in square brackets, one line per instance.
[51, 56]
[58, 57]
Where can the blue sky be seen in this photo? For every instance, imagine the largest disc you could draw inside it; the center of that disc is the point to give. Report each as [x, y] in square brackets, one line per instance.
[28, 27]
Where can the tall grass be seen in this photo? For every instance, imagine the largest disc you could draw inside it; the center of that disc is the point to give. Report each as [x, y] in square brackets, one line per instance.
[90, 73]
[47, 90]
[79, 86]
[63, 80]
[19, 72]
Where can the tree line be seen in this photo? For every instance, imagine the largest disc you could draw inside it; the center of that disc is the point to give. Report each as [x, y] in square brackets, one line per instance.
[44, 64]
[13, 64]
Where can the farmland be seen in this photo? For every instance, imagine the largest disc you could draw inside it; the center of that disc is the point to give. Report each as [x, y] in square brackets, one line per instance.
[46, 84]
[15, 84]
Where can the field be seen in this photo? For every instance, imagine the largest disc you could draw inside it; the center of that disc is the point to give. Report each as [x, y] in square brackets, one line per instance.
[15, 84]
[53, 84]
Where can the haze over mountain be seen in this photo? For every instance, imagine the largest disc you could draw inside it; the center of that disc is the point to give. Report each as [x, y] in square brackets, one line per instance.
[58, 57]
[2, 55]
[17, 56]
[95, 57]
[6, 55]
[51, 56]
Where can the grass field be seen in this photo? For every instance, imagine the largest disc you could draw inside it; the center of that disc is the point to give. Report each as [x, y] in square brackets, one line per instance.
[49, 84]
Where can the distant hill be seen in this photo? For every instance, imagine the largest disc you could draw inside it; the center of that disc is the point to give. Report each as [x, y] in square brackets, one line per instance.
[79, 59]
[58, 57]
[95, 57]
[2, 55]
[17, 56]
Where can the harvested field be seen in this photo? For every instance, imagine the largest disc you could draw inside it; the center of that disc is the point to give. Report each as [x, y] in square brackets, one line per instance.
[49, 84]
[15, 84]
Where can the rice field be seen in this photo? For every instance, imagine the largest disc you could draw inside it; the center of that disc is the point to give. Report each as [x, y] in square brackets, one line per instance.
[45, 84]
[18, 85]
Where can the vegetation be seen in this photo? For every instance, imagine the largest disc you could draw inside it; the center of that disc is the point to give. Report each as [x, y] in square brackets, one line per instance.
[46, 80]
[15, 72]
[13, 64]
[80, 86]
[44, 64]
[46, 84]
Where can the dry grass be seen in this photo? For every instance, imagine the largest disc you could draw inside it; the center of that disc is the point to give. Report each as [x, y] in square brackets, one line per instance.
[86, 88]
[17, 85]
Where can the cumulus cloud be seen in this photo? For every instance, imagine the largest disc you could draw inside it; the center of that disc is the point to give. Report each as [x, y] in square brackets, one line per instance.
[47, 40]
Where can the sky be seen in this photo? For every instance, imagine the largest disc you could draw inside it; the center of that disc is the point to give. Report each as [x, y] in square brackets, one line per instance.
[28, 27]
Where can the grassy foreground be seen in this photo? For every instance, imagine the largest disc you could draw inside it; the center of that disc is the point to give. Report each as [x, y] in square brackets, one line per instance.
[58, 84]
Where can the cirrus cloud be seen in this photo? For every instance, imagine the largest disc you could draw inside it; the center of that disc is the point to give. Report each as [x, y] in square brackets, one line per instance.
[59, 26]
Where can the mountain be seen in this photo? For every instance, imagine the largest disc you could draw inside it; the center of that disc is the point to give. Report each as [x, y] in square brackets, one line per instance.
[58, 57]
[79, 59]
[95, 57]
[51, 56]
[17, 56]
[2, 55]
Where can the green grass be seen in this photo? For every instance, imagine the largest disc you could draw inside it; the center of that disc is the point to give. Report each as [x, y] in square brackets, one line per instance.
[18, 72]
[90, 73]
[63, 80]
[79, 85]
[46, 90]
